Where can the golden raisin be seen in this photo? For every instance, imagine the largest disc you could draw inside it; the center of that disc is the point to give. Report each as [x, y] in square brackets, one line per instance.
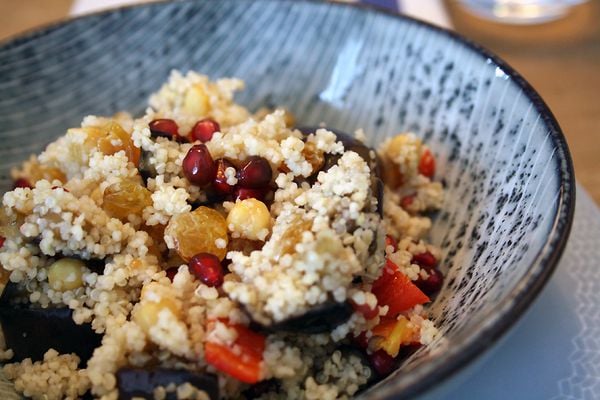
[124, 198]
[110, 139]
[9, 226]
[289, 118]
[245, 246]
[314, 156]
[293, 235]
[156, 232]
[392, 175]
[174, 261]
[203, 230]
[40, 172]
[4, 278]
[283, 168]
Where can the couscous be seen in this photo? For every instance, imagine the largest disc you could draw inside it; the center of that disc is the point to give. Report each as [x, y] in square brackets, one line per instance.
[202, 251]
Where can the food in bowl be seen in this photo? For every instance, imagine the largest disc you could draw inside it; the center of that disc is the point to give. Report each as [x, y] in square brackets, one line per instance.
[201, 251]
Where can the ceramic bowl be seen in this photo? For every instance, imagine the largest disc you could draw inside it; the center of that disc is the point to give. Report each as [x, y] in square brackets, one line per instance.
[500, 152]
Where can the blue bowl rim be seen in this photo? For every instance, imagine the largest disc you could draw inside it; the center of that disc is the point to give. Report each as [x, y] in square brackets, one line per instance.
[523, 295]
[426, 375]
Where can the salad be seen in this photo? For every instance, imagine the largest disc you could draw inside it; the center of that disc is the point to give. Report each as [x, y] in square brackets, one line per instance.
[201, 251]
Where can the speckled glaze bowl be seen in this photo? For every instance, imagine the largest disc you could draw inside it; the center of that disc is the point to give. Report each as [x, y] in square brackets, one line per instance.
[500, 151]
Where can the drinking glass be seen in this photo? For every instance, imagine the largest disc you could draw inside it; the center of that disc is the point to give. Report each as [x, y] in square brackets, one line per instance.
[520, 11]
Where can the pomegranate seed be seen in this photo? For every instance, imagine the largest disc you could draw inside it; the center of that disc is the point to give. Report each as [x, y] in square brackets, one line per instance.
[432, 284]
[171, 272]
[391, 241]
[382, 362]
[2, 239]
[198, 165]
[255, 173]
[220, 183]
[207, 268]
[246, 193]
[22, 183]
[407, 201]
[361, 340]
[427, 164]
[425, 259]
[165, 128]
[204, 130]
[366, 311]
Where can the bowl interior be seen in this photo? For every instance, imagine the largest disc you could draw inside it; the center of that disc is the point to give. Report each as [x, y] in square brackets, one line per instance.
[499, 153]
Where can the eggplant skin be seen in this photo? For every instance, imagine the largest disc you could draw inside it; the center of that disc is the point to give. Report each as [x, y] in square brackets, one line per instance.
[141, 382]
[261, 388]
[352, 144]
[319, 319]
[30, 332]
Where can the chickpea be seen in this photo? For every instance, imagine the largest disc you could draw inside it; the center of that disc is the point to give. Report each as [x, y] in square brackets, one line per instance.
[66, 274]
[196, 101]
[399, 142]
[250, 219]
[146, 313]
[403, 152]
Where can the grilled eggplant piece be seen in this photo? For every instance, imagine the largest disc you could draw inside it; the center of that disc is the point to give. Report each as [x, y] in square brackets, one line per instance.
[366, 153]
[327, 316]
[141, 382]
[321, 318]
[261, 388]
[31, 331]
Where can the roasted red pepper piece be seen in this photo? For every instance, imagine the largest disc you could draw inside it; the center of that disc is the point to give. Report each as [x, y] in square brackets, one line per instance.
[427, 164]
[243, 360]
[395, 290]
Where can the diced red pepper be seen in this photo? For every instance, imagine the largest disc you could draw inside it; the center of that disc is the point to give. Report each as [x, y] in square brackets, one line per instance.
[251, 342]
[2, 239]
[243, 360]
[427, 164]
[395, 290]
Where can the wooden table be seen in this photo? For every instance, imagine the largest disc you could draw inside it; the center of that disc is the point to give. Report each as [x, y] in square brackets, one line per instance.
[560, 59]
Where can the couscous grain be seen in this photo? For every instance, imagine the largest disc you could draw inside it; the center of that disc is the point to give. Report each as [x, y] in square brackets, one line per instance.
[297, 244]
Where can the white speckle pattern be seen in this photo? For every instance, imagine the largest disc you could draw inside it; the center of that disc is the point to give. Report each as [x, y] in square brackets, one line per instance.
[493, 139]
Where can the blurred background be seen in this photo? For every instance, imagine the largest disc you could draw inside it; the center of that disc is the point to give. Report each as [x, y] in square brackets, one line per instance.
[561, 59]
